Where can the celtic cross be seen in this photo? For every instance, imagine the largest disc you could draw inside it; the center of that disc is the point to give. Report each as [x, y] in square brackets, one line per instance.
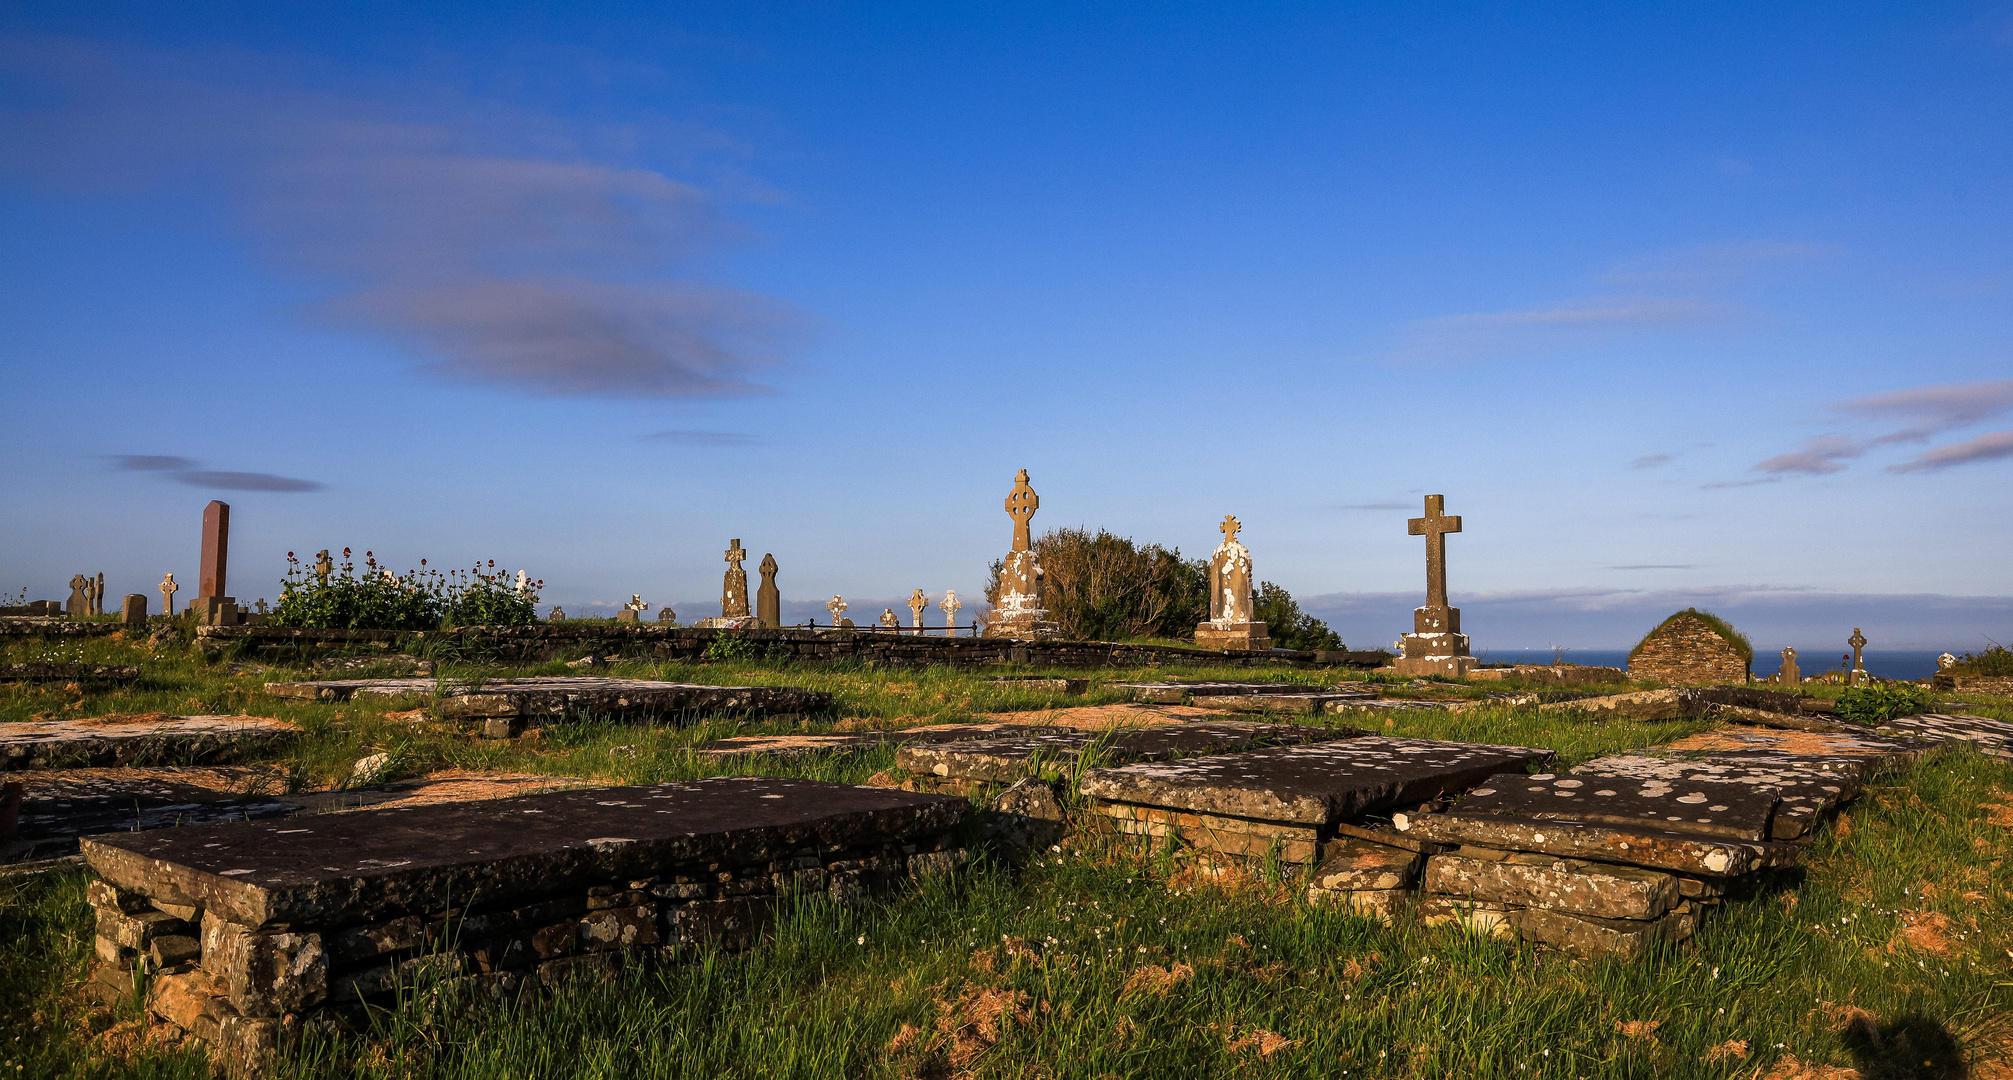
[1021, 504]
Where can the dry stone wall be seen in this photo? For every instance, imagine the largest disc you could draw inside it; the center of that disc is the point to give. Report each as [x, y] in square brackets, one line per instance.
[1686, 650]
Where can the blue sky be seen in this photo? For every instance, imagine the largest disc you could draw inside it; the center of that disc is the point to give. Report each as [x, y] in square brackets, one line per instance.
[1706, 305]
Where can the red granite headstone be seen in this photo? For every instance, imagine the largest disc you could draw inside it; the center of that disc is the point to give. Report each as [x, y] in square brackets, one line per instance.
[216, 548]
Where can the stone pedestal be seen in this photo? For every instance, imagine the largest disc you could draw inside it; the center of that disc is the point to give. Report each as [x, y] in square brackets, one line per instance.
[1018, 617]
[626, 616]
[215, 610]
[1436, 645]
[1239, 635]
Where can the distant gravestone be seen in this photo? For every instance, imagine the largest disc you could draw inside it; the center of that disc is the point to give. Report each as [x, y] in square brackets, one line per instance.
[558, 614]
[79, 604]
[1019, 613]
[633, 610]
[734, 590]
[168, 590]
[1945, 662]
[1789, 675]
[213, 604]
[1230, 624]
[1691, 647]
[837, 607]
[666, 615]
[324, 566]
[135, 611]
[918, 603]
[950, 608]
[1857, 676]
[769, 601]
[888, 620]
[1436, 645]
[98, 595]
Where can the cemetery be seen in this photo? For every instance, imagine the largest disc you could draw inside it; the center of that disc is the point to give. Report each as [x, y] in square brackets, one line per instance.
[283, 840]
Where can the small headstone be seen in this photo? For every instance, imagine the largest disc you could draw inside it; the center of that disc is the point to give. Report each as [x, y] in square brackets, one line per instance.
[135, 611]
[1857, 676]
[1945, 662]
[918, 603]
[558, 613]
[950, 608]
[1789, 675]
[666, 615]
[216, 549]
[168, 591]
[98, 596]
[734, 589]
[80, 597]
[1230, 624]
[92, 601]
[1436, 645]
[523, 583]
[1019, 613]
[888, 620]
[633, 610]
[262, 606]
[837, 607]
[768, 600]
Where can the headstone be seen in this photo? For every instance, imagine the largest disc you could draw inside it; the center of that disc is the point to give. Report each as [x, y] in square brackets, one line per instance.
[950, 608]
[523, 583]
[1019, 613]
[558, 613]
[1686, 649]
[1946, 662]
[837, 607]
[888, 620]
[262, 605]
[768, 600]
[666, 615]
[918, 603]
[633, 610]
[1230, 624]
[1436, 645]
[1857, 676]
[213, 605]
[1789, 675]
[168, 591]
[98, 596]
[79, 604]
[734, 590]
[324, 566]
[135, 611]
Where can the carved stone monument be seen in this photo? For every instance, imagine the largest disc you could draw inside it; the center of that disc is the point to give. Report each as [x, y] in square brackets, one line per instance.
[888, 621]
[633, 610]
[918, 603]
[558, 614]
[666, 615]
[1789, 675]
[1857, 676]
[168, 590]
[768, 600]
[1230, 624]
[213, 605]
[837, 607]
[79, 604]
[1019, 613]
[135, 611]
[1436, 645]
[734, 590]
[950, 608]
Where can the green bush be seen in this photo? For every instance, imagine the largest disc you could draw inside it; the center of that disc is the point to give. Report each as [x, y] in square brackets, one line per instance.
[1882, 701]
[420, 599]
[1997, 660]
[1290, 627]
[1108, 588]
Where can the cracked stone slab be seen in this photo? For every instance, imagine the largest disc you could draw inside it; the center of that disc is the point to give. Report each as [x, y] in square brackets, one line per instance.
[1805, 793]
[1574, 886]
[344, 868]
[145, 738]
[1992, 737]
[1317, 784]
[560, 695]
[1689, 805]
[1354, 865]
[1657, 849]
[1174, 693]
[1054, 686]
[1012, 758]
[60, 805]
[804, 745]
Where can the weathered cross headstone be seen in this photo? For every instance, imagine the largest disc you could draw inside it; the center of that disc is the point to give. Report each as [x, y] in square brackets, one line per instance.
[1858, 673]
[1436, 645]
[135, 611]
[918, 603]
[888, 620]
[262, 605]
[168, 590]
[666, 615]
[324, 566]
[1019, 613]
[558, 614]
[633, 610]
[837, 607]
[768, 599]
[1230, 624]
[734, 590]
[1789, 675]
[950, 608]
[79, 604]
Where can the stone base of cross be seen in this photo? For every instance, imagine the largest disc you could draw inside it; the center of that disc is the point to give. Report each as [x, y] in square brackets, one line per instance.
[1436, 645]
[1254, 636]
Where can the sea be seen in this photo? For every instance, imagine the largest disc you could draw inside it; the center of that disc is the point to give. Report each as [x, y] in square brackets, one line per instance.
[1882, 663]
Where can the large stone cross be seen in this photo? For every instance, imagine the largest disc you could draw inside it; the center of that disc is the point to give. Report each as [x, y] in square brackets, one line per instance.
[837, 607]
[917, 603]
[1021, 503]
[1434, 527]
[168, 591]
[735, 553]
[950, 608]
[1858, 642]
[1229, 528]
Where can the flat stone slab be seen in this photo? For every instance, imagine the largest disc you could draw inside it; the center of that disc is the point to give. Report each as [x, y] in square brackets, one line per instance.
[1012, 758]
[344, 868]
[146, 738]
[559, 695]
[1658, 849]
[1993, 738]
[1317, 784]
[1054, 686]
[1287, 703]
[67, 672]
[1591, 938]
[1711, 808]
[1860, 753]
[1574, 886]
[839, 742]
[1174, 693]
[1354, 865]
[1805, 793]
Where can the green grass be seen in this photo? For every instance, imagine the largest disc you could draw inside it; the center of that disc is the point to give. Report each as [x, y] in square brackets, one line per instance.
[1037, 971]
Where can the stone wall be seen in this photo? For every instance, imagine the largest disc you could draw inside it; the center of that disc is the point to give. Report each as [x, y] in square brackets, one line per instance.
[1686, 650]
[566, 641]
[2000, 685]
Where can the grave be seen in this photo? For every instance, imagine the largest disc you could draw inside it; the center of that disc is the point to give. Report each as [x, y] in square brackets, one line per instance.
[1692, 647]
[144, 738]
[1231, 623]
[804, 745]
[1176, 692]
[40, 672]
[1436, 645]
[1687, 805]
[734, 614]
[1993, 738]
[1004, 760]
[60, 805]
[1288, 801]
[768, 600]
[1018, 613]
[1805, 794]
[504, 705]
[1553, 674]
[259, 927]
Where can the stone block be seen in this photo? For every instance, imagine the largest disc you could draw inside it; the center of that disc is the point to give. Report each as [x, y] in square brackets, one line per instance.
[138, 930]
[1569, 885]
[1353, 865]
[108, 897]
[731, 924]
[112, 984]
[618, 928]
[174, 950]
[1286, 841]
[1483, 917]
[1384, 905]
[134, 611]
[1656, 849]
[363, 942]
[1641, 705]
[273, 973]
[1599, 939]
[1688, 804]
[937, 864]
[109, 951]
[1804, 794]
[192, 1001]
[594, 967]
[1008, 759]
[247, 1047]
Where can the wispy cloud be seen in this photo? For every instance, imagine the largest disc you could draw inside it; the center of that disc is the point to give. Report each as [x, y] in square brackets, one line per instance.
[1718, 484]
[151, 462]
[1823, 454]
[1570, 323]
[1988, 447]
[701, 438]
[1714, 264]
[184, 470]
[1651, 461]
[501, 247]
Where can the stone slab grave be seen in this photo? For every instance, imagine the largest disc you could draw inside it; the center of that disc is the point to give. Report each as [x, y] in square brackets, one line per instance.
[68, 673]
[1286, 802]
[1247, 696]
[503, 706]
[1004, 760]
[1993, 738]
[257, 927]
[1055, 686]
[1687, 805]
[1804, 794]
[803, 745]
[1856, 753]
[121, 739]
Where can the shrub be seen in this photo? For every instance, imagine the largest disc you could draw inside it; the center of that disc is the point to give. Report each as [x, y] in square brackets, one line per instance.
[482, 596]
[1290, 627]
[1997, 660]
[421, 599]
[1105, 587]
[1882, 701]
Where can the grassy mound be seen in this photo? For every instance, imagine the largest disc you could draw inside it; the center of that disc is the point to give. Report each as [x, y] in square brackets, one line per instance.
[1719, 626]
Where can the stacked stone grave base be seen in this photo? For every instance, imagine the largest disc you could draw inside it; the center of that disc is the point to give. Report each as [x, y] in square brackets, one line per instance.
[240, 934]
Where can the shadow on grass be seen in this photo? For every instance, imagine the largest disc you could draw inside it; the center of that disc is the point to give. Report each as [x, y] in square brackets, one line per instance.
[1911, 1046]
